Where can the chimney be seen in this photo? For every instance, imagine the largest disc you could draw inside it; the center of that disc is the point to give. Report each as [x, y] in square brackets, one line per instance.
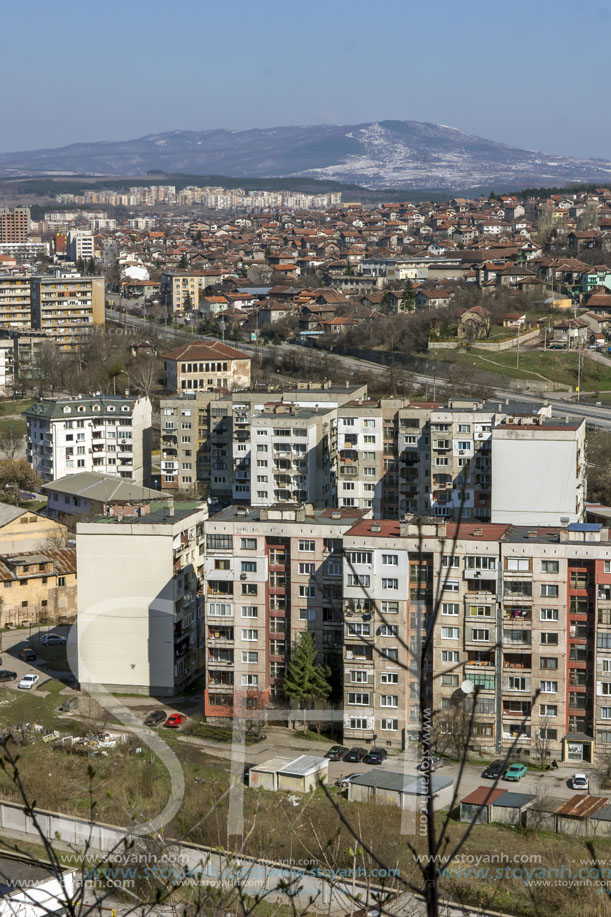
[171, 507]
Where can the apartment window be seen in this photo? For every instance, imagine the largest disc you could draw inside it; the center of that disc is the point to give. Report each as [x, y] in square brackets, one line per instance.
[479, 611]
[358, 722]
[480, 634]
[605, 713]
[389, 608]
[605, 688]
[249, 588]
[219, 610]
[248, 544]
[449, 681]
[451, 585]
[277, 647]
[389, 678]
[389, 700]
[360, 629]
[61, 580]
[359, 676]
[464, 428]
[277, 625]
[516, 683]
[389, 725]
[608, 566]
[487, 683]
[550, 566]
[390, 583]
[548, 614]
[250, 657]
[549, 638]
[389, 652]
[307, 614]
[548, 710]
[249, 611]
[449, 560]
[307, 569]
[358, 699]
[250, 681]
[450, 608]
[219, 542]
[388, 630]
[368, 471]
[449, 633]
[517, 564]
[248, 566]
[222, 563]
[549, 687]
[549, 590]
[369, 439]
[548, 662]
[449, 656]
[390, 560]
[358, 579]
[306, 546]
[250, 635]
[307, 592]
[363, 558]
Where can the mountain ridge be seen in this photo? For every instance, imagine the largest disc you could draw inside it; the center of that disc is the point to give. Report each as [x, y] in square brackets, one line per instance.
[376, 154]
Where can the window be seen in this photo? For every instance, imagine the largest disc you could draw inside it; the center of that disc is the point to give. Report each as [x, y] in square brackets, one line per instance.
[387, 725]
[390, 560]
[358, 722]
[249, 611]
[549, 566]
[516, 683]
[249, 635]
[358, 700]
[548, 710]
[449, 656]
[479, 611]
[390, 583]
[389, 700]
[389, 652]
[451, 585]
[480, 634]
[61, 580]
[219, 542]
[369, 439]
[277, 647]
[388, 630]
[450, 608]
[487, 683]
[219, 610]
[361, 629]
[306, 546]
[249, 657]
[389, 678]
[548, 662]
[248, 544]
[550, 590]
[307, 592]
[448, 560]
[222, 563]
[549, 614]
[360, 557]
[608, 566]
[249, 588]
[517, 564]
[250, 681]
[389, 608]
[358, 579]
[480, 563]
[359, 676]
[307, 569]
[248, 566]
[449, 681]
[549, 687]
[449, 633]
[549, 638]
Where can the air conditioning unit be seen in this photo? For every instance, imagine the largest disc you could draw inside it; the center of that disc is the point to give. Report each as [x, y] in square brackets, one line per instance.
[243, 576]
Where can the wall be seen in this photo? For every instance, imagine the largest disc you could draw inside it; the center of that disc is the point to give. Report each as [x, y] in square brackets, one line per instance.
[18, 536]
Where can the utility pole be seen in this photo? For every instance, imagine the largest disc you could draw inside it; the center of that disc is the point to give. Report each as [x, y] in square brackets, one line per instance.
[579, 362]
[518, 352]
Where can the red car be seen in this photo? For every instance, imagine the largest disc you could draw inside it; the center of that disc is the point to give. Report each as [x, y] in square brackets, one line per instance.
[175, 720]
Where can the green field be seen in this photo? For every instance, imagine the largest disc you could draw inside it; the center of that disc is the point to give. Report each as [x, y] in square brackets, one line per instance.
[537, 364]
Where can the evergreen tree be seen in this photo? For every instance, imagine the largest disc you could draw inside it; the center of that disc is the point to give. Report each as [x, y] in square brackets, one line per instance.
[306, 681]
[408, 300]
[91, 266]
[183, 264]
[187, 303]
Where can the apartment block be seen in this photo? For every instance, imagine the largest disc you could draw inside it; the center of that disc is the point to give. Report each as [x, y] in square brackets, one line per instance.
[15, 301]
[270, 573]
[80, 245]
[139, 600]
[106, 433]
[26, 349]
[539, 473]
[204, 366]
[180, 291]
[67, 308]
[14, 225]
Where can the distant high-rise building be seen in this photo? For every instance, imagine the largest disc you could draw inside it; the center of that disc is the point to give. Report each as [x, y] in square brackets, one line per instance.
[14, 224]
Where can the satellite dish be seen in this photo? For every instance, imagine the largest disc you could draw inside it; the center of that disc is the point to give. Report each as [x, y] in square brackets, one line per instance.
[467, 687]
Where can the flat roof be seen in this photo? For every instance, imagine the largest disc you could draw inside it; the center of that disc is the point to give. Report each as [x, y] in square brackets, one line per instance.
[18, 872]
[344, 515]
[511, 800]
[304, 765]
[272, 764]
[158, 516]
[409, 784]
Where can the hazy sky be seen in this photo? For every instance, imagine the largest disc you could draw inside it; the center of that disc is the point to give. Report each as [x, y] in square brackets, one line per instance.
[533, 73]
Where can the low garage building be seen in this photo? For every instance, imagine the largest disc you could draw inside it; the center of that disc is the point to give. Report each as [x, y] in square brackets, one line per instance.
[487, 804]
[295, 775]
[388, 788]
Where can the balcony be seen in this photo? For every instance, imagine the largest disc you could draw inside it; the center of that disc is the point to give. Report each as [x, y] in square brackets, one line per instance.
[517, 614]
[480, 658]
[517, 661]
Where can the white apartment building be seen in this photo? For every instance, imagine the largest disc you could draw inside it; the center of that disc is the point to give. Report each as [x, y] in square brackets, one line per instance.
[139, 605]
[81, 244]
[539, 473]
[110, 434]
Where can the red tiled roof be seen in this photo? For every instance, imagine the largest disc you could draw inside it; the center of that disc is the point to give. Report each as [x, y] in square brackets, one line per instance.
[205, 350]
[483, 796]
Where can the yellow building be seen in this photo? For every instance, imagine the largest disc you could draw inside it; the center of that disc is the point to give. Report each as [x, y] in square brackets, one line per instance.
[23, 530]
[37, 588]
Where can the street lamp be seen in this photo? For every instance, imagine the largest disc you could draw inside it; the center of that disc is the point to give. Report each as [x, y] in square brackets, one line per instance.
[114, 380]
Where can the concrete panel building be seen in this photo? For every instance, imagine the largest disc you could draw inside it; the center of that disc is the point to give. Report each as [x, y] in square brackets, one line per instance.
[68, 308]
[139, 605]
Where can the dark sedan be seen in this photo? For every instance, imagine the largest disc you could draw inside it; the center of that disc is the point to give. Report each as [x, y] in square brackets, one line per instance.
[156, 718]
[495, 770]
[5, 675]
[336, 752]
[355, 754]
[375, 756]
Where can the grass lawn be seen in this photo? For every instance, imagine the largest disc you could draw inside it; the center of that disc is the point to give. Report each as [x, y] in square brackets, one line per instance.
[16, 406]
[17, 423]
[554, 365]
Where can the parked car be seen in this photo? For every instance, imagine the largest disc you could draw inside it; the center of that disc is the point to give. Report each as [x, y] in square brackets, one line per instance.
[246, 773]
[515, 771]
[53, 640]
[28, 681]
[495, 770]
[175, 720]
[336, 752]
[155, 718]
[344, 781]
[434, 762]
[5, 675]
[375, 756]
[27, 654]
[580, 782]
[355, 754]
